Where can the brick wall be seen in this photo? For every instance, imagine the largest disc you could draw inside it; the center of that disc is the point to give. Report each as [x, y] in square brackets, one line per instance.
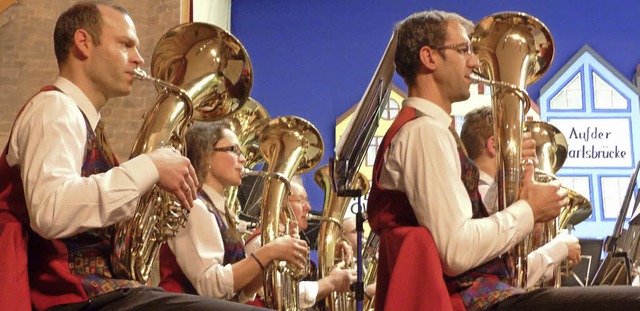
[27, 62]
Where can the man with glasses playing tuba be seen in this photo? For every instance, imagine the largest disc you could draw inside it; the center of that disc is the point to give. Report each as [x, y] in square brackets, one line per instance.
[417, 184]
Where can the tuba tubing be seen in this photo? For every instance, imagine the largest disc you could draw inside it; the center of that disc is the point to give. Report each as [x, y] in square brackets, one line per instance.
[203, 73]
[132, 257]
[289, 146]
[330, 232]
[514, 49]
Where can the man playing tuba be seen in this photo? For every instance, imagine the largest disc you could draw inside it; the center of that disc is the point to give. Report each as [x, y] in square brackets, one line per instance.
[311, 291]
[417, 184]
[74, 190]
[477, 137]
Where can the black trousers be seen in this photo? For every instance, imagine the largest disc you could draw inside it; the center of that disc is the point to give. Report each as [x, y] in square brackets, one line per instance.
[575, 298]
[150, 298]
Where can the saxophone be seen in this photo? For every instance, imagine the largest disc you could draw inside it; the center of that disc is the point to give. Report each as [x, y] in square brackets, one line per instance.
[212, 75]
[510, 46]
[289, 146]
[331, 233]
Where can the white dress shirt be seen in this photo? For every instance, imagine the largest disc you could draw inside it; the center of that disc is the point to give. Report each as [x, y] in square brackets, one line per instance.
[422, 161]
[199, 250]
[483, 186]
[307, 290]
[48, 145]
[542, 261]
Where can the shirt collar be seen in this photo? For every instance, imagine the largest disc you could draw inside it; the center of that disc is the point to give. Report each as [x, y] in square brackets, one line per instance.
[217, 199]
[485, 177]
[81, 100]
[430, 109]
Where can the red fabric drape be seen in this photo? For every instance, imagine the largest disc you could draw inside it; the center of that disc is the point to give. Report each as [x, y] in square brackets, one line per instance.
[410, 273]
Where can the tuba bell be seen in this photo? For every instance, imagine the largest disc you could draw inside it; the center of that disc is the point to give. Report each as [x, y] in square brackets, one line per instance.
[289, 146]
[202, 73]
[247, 122]
[514, 49]
[551, 152]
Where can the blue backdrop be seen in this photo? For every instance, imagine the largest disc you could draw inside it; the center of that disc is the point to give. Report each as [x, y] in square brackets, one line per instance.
[314, 59]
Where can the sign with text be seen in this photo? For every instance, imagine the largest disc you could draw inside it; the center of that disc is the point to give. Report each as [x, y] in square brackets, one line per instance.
[597, 142]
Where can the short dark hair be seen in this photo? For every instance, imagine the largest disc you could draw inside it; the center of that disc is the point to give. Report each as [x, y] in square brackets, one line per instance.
[82, 15]
[201, 138]
[476, 130]
[427, 28]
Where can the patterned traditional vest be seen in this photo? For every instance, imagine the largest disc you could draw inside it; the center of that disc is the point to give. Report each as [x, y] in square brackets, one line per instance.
[68, 270]
[172, 278]
[480, 287]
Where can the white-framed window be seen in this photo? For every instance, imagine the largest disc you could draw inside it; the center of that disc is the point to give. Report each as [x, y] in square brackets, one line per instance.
[391, 111]
[570, 97]
[613, 192]
[605, 96]
[372, 150]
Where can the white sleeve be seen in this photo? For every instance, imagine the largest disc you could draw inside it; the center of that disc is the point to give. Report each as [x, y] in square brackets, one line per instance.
[199, 251]
[423, 162]
[542, 262]
[48, 144]
[308, 293]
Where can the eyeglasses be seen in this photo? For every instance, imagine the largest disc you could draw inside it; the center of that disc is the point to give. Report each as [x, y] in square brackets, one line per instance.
[462, 48]
[301, 200]
[235, 149]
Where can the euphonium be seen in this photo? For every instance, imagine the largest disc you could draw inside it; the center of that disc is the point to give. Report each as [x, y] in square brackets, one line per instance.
[248, 122]
[331, 233]
[212, 74]
[514, 50]
[551, 152]
[289, 146]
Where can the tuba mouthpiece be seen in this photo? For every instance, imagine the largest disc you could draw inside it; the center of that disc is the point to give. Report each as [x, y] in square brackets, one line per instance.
[140, 73]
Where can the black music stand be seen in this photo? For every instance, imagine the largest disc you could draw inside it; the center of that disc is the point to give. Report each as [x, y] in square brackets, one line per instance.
[622, 245]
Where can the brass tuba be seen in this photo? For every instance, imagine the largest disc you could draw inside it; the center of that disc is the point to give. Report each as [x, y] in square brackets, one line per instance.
[514, 50]
[290, 146]
[330, 233]
[213, 75]
[551, 152]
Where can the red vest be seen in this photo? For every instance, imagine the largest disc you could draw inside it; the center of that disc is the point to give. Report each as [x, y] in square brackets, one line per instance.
[60, 271]
[480, 287]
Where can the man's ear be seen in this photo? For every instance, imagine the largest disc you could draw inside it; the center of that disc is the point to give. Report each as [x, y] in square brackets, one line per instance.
[82, 44]
[491, 147]
[427, 57]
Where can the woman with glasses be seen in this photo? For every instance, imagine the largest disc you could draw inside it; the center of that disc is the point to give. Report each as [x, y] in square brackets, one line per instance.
[207, 256]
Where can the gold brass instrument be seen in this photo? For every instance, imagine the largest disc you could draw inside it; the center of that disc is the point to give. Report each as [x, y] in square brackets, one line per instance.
[247, 122]
[202, 73]
[514, 49]
[551, 152]
[370, 262]
[290, 146]
[330, 232]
